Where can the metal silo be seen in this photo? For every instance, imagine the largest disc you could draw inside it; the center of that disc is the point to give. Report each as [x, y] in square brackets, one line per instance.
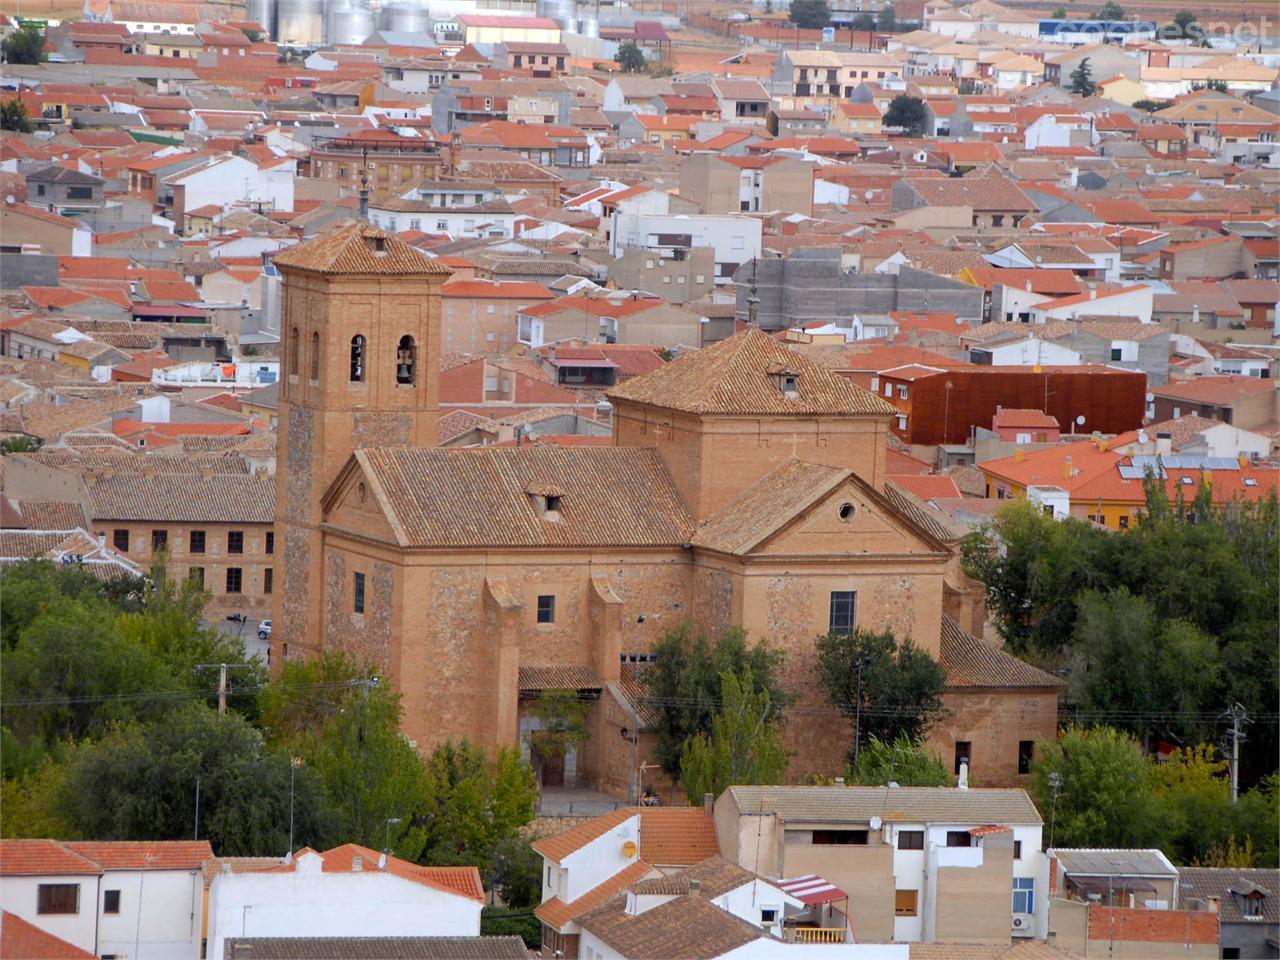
[406, 16]
[348, 22]
[263, 12]
[300, 22]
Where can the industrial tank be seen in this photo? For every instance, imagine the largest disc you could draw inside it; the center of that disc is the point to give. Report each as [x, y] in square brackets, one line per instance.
[300, 22]
[263, 12]
[407, 17]
[348, 22]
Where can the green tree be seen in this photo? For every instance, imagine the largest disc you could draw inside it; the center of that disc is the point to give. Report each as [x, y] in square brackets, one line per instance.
[24, 46]
[810, 14]
[1081, 80]
[516, 873]
[683, 686]
[140, 782]
[1164, 674]
[1092, 790]
[1059, 13]
[22, 443]
[1216, 85]
[254, 36]
[864, 22]
[743, 746]
[34, 803]
[887, 20]
[630, 57]
[375, 782]
[1110, 11]
[901, 684]
[562, 726]
[1184, 23]
[505, 922]
[907, 113]
[903, 761]
[475, 803]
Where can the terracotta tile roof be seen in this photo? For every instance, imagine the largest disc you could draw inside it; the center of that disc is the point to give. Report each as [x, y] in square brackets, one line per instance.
[352, 248]
[1225, 883]
[20, 939]
[556, 913]
[849, 804]
[692, 928]
[715, 875]
[734, 377]
[460, 881]
[672, 836]
[969, 662]
[767, 505]
[145, 854]
[568, 677]
[49, 515]
[180, 498]
[475, 497]
[379, 948]
[1216, 390]
[926, 486]
[43, 858]
[562, 845]
[1013, 417]
[989, 192]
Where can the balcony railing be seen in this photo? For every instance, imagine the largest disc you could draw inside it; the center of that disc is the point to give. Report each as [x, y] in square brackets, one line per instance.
[820, 934]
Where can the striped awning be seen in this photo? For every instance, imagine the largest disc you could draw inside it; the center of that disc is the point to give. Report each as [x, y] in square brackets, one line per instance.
[812, 889]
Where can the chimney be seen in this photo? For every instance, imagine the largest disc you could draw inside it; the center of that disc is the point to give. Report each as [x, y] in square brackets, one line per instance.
[1195, 313]
[1093, 293]
[695, 888]
[1243, 460]
[1164, 443]
[1018, 454]
[962, 781]
[357, 864]
[708, 803]
[1066, 468]
[226, 866]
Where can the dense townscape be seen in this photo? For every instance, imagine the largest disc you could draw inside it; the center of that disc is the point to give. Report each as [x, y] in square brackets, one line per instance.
[639, 480]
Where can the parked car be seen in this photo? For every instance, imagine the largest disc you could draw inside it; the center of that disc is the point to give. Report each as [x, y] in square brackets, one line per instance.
[264, 630]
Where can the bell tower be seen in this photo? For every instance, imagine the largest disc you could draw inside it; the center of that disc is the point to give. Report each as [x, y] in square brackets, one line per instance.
[360, 342]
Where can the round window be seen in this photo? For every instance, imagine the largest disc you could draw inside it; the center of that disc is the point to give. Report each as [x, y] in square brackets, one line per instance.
[846, 511]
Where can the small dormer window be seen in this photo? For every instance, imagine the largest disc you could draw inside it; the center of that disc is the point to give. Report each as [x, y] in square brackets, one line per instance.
[545, 498]
[553, 503]
[787, 381]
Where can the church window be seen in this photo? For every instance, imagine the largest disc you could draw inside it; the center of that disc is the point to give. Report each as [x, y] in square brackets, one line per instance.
[357, 358]
[843, 611]
[405, 357]
[357, 590]
[315, 356]
[547, 608]
[846, 512]
[293, 352]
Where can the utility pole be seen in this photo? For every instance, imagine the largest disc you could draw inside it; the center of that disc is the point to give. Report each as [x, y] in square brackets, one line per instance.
[857, 723]
[223, 687]
[1238, 717]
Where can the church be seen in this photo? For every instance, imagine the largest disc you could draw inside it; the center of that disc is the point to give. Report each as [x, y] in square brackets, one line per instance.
[746, 486]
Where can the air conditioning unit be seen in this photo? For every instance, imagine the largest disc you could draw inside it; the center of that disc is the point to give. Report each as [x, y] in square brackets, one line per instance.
[1023, 923]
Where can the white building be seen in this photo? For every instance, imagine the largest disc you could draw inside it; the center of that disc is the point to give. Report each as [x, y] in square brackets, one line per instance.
[1027, 352]
[349, 891]
[228, 179]
[141, 900]
[1133, 302]
[735, 239]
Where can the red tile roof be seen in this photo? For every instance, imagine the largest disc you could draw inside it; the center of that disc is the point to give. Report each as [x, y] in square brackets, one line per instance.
[43, 858]
[145, 854]
[459, 881]
[21, 940]
[927, 486]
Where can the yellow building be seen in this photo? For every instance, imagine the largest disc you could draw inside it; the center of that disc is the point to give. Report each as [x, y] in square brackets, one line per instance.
[1122, 90]
[1094, 479]
[486, 28]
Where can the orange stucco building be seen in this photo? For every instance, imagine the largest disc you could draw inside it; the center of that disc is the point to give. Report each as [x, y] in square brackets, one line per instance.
[746, 487]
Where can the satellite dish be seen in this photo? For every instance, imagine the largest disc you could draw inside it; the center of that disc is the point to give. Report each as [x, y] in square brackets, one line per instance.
[1142, 436]
[869, 196]
[876, 822]
[1080, 420]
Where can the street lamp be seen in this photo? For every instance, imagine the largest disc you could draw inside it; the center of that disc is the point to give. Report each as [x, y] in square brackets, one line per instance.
[857, 723]
[633, 737]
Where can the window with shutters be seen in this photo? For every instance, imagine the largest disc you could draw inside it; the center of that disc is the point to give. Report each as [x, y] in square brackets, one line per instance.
[904, 902]
[58, 898]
